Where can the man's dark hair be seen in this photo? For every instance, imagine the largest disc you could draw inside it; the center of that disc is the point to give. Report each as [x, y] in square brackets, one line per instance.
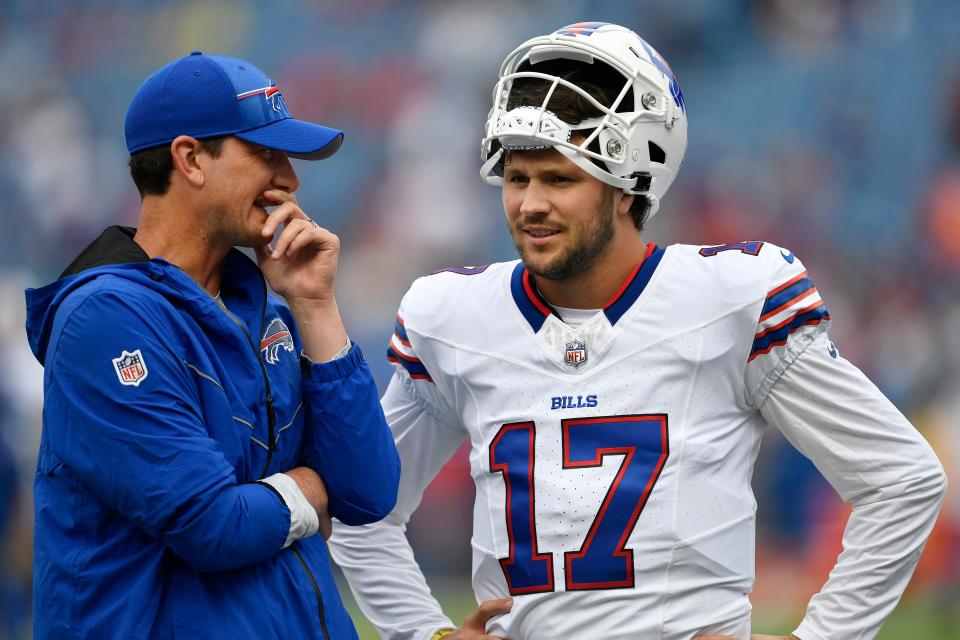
[151, 168]
[602, 82]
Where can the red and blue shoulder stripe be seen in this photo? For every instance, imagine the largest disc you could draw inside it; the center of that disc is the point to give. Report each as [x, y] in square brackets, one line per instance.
[788, 306]
[401, 352]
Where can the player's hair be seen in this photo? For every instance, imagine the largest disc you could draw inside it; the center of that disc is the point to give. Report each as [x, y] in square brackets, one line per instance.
[601, 81]
[151, 169]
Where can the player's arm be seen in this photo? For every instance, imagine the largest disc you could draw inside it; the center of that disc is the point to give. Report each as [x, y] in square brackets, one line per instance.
[875, 459]
[347, 440]
[144, 449]
[377, 559]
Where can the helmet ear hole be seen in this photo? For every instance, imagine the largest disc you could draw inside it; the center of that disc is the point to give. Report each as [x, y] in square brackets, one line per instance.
[656, 152]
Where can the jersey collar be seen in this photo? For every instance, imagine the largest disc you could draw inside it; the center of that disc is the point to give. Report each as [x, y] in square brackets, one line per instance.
[535, 309]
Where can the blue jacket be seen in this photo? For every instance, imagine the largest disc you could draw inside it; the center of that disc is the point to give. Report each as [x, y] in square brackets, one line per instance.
[161, 411]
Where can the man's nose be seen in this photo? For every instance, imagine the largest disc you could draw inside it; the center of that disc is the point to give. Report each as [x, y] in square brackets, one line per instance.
[535, 200]
[284, 176]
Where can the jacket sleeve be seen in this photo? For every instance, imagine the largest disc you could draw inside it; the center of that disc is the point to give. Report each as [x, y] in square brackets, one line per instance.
[347, 440]
[876, 460]
[377, 559]
[139, 441]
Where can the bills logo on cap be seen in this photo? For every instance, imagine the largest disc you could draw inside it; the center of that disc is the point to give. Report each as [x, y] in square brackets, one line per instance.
[131, 368]
[271, 94]
[276, 336]
[576, 354]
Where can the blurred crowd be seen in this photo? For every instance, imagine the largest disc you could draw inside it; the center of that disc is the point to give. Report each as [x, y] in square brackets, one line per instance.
[831, 127]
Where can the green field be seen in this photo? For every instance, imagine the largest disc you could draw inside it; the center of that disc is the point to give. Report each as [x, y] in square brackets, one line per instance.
[912, 620]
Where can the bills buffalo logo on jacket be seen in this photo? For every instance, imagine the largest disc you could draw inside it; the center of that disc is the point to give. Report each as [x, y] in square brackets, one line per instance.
[276, 336]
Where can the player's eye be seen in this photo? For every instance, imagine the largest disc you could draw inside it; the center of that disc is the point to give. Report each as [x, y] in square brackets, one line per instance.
[517, 178]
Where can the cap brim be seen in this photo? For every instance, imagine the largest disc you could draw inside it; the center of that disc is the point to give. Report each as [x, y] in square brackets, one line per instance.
[296, 138]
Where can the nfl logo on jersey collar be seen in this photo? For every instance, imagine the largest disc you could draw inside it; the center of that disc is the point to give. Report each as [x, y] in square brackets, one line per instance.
[576, 354]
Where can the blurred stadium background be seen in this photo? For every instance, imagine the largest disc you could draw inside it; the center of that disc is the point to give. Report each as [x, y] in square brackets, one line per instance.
[828, 126]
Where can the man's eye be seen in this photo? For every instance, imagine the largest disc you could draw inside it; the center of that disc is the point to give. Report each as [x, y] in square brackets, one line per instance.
[517, 179]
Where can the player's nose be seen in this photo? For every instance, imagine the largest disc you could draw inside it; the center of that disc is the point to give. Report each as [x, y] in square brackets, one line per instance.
[535, 200]
[284, 175]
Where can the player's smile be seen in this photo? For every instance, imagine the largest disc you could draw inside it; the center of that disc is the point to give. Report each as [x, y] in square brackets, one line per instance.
[540, 236]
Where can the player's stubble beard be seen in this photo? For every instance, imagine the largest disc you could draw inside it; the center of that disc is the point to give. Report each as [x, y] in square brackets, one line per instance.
[595, 237]
[227, 225]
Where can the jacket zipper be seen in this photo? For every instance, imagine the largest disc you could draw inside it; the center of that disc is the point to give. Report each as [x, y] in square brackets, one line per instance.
[316, 590]
[272, 421]
[271, 412]
[272, 446]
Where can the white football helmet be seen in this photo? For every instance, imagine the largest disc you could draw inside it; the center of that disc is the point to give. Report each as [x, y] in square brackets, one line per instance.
[640, 150]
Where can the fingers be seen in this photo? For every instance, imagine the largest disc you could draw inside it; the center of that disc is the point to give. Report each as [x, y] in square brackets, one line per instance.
[302, 233]
[298, 232]
[286, 212]
[477, 621]
[279, 196]
[290, 232]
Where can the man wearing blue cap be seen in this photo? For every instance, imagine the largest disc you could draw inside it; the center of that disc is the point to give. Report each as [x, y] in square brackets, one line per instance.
[197, 431]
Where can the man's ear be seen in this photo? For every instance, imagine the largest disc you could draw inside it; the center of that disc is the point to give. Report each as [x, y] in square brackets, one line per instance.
[185, 152]
[624, 202]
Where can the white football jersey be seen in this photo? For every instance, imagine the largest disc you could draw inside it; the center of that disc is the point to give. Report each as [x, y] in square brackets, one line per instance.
[612, 459]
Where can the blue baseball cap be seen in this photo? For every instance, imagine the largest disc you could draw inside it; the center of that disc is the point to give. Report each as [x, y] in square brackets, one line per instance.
[210, 96]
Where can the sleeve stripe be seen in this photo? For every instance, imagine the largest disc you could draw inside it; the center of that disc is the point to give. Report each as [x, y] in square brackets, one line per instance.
[403, 349]
[800, 295]
[400, 329]
[397, 353]
[413, 366]
[779, 288]
[790, 319]
[788, 291]
[776, 336]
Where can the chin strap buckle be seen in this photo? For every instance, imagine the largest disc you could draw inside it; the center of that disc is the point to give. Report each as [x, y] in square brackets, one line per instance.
[643, 181]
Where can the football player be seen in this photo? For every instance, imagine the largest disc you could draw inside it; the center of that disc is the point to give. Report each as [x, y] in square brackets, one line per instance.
[614, 392]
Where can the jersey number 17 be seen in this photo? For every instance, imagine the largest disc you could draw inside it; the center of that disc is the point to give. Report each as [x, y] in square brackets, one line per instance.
[602, 562]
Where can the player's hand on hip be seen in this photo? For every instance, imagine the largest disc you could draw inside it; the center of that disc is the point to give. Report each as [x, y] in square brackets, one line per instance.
[302, 261]
[474, 626]
[315, 491]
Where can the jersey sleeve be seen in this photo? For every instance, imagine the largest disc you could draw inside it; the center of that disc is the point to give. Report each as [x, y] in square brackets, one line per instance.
[413, 358]
[377, 559]
[873, 458]
[791, 316]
